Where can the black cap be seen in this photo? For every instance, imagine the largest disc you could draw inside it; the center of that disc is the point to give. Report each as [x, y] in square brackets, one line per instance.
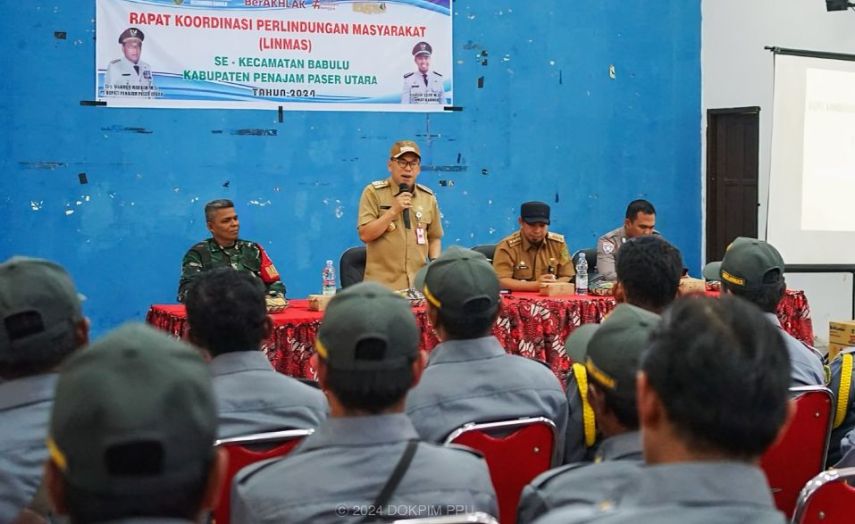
[131, 32]
[535, 212]
[422, 48]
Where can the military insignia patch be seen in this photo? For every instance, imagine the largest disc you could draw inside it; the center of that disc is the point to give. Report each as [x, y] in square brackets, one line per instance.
[608, 248]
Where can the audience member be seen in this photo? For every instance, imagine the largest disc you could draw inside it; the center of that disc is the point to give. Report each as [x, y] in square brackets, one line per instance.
[228, 319]
[42, 324]
[712, 397]
[365, 460]
[470, 377]
[132, 432]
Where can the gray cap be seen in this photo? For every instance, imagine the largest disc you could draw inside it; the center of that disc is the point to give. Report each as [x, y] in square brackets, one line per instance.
[39, 305]
[368, 327]
[134, 412]
[460, 281]
[747, 264]
[576, 345]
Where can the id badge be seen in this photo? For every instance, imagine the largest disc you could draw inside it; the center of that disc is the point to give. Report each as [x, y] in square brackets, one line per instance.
[421, 238]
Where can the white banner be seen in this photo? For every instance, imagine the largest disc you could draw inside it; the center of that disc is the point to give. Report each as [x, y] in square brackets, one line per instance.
[299, 54]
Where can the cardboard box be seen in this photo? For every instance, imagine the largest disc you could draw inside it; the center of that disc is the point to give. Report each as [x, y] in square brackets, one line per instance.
[550, 289]
[319, 302]
[835, 348]
[842, 332]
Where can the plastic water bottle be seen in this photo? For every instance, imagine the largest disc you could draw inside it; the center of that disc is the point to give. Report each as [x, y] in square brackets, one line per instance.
[328, 276]
[582, 275]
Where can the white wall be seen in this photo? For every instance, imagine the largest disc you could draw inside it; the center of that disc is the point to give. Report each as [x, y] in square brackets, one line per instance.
[736, 71]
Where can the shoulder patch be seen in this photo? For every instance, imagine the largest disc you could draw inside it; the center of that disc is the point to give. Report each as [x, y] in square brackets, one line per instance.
[465, 449]
[437, 74]
[116, 61]
[408, 75]
[426, 189]
[514, 239]
[380, 184]
[555, 236]
[544, 478]
[608, 247]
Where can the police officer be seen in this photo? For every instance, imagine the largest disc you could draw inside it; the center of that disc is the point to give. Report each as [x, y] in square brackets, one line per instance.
[639, 221]
[399, 221]
[129, 71]
[365, 460]
[225, 249]
[533, 255]
[422, 86]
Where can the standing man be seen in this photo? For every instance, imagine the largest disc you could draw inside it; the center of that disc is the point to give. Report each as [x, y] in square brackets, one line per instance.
[532, 255]
[41, 324]
[399, 221]
[640, 221]
[422, 86]
[130, 71]
[225, 249]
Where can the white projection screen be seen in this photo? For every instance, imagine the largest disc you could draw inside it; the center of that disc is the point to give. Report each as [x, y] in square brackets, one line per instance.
[811, 213]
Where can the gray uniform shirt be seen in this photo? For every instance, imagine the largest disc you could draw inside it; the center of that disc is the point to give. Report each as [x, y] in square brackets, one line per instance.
[25, 405]
[253, 398]
[806, 367]
[338, 471]
[688, 492]
[477, 381]
[422, 88]
[618, 459]
[607, 247]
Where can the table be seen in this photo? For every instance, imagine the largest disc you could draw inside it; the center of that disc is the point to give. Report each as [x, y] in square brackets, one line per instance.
[530, 325]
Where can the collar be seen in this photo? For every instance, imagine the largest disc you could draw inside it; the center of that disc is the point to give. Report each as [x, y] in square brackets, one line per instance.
[27, 390]
[466, 350]
[237, 361]
[364, 431]
[706, 483]
[623, 446]
[214, 246]
[773, 318]
[526, 245]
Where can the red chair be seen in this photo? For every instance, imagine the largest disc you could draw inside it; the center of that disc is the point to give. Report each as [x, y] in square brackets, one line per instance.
[827, 498]
[800, 453]
[516, 451]
[244, 451]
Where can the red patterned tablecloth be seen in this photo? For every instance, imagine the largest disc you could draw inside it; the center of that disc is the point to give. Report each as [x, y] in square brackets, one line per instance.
[529, 325]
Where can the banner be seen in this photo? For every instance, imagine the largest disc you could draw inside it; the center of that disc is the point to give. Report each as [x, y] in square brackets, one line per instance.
[329, 55]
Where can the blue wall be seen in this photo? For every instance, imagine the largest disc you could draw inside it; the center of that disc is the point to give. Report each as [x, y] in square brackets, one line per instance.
[548, 124]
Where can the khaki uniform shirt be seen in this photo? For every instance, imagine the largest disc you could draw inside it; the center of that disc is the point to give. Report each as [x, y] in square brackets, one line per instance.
[517, 258]
[394, 257]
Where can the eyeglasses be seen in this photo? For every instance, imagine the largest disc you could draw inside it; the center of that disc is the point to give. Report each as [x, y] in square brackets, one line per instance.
[404, 164]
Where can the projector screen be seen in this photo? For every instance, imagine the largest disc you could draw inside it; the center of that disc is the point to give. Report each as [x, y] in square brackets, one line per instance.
[811, 213]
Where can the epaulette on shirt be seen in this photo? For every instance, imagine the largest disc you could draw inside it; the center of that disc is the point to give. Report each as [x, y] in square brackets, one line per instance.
[515, 239]
[465, 449]
[426, 189]
[437, 74]
[555, 236]
[380, 184]
[116, 61]
[544, 478]
[408, 75]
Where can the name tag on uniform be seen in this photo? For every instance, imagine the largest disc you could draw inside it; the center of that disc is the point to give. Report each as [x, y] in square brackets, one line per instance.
[421, 237]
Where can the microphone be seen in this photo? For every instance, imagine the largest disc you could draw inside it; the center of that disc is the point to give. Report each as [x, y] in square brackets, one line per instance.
[404, 188]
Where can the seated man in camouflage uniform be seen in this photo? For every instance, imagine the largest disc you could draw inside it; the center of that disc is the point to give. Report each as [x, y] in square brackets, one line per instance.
[225, 249]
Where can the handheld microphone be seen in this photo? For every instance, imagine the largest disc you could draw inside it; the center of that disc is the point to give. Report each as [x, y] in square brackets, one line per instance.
[404, 188]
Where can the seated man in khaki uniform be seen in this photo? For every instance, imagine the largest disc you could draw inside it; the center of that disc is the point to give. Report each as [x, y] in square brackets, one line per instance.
[399, 221]
[532, 255]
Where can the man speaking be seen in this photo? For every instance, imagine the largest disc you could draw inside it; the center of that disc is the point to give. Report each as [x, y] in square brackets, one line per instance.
[399, 221]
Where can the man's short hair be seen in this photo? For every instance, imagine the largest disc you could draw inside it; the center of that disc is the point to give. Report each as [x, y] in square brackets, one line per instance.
[215, 205]
[649, 268]
[722, 372]
[639, 206]
[226, 310]
[39, 314]
[368, 340]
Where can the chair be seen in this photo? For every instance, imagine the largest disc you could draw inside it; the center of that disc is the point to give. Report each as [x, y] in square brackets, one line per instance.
[827, 499]
[488, 250]
[243, 451]
[800, 453]
[351, 266]
[516, 451]
[463, 518]
[590, 257]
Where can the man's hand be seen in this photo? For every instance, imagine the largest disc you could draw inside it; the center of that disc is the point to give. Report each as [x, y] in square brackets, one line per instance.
[547, 277]
[401, 202]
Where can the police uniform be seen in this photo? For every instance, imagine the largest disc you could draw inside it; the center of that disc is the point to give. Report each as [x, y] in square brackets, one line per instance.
[253, 398]
[244, 255]
[338, 471]
[422, 88]
[685, 493]
[25, 405]
[394, 257]
[475, 380]
[517, 258]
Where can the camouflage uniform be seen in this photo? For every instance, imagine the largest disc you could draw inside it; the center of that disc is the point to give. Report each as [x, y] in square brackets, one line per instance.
[242, 256]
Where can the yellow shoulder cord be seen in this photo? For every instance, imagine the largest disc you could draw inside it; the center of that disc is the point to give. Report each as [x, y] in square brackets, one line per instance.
[843, 389]
[588, 421]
